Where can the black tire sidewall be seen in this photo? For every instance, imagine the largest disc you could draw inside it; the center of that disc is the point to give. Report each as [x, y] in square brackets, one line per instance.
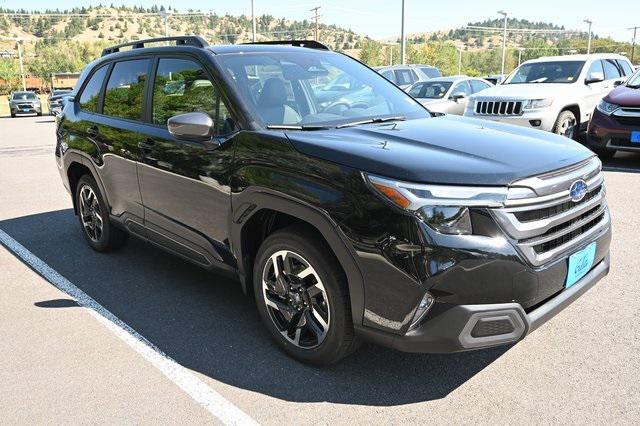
[103, 243]
[561, 117]
[340, 328]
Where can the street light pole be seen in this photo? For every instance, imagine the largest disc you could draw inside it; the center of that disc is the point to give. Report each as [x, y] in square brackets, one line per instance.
[633, 44]
[587, 21]
[402, 41]
[504, 40]
[459, 60]
[165, 14]
[253, 23]
[24, 83]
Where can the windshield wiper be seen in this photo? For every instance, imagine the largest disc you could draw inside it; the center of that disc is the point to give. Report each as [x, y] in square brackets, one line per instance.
[297, 127]
[371, 120]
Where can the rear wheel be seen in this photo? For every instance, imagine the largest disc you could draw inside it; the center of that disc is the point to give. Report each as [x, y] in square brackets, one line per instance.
[302, 297]
[566, 125]
[94, 217]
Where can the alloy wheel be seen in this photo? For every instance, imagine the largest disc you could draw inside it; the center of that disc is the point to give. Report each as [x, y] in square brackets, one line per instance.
[567, 127]
[296, 299]
[91, 213]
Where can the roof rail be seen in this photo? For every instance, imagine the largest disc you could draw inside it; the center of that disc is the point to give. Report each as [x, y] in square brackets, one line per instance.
[310, 44]
[196, 41]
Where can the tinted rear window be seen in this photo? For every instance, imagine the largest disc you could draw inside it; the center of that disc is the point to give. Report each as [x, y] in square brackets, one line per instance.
[125, 89]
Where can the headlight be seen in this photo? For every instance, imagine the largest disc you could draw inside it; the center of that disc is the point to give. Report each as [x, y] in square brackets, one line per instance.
[538, 103]
[607, 108]
[443, 207]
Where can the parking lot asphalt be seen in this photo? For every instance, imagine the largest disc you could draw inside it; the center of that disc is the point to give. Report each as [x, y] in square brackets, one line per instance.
[60, 364]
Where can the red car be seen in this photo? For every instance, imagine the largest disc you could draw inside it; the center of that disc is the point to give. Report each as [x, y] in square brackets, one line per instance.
[615, 123]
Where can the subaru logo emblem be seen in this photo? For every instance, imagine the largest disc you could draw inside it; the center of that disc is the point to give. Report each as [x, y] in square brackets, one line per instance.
[578, 190]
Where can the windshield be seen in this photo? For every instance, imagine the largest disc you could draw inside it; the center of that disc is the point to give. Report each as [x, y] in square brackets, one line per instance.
[547, 72]
[301, 89]
[22, 96]
[430, 89]
[634, 81]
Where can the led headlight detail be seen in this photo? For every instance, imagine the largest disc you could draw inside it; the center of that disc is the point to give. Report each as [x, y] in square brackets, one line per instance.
[447, 220]
[538, 103]
[607, 108]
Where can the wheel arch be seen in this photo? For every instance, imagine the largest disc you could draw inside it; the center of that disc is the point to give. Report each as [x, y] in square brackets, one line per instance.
[575, 109]
[260, 212]
[76, 166]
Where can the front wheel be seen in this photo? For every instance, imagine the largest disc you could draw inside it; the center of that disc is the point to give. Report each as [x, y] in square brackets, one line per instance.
[301, 294]
[566, 125]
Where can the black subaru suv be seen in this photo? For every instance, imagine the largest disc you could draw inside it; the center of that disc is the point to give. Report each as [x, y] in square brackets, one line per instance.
[362, 218]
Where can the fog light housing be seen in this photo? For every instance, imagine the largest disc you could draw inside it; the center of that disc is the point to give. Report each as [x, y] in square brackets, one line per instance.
[535, 123]
[423, 307]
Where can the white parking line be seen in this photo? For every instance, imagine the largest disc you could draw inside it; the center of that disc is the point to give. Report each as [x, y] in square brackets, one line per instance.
[211, 400]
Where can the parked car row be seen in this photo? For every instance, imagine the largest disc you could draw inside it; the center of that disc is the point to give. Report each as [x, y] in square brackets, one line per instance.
[28, 102]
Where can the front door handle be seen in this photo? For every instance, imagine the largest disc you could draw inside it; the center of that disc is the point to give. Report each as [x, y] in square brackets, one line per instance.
[146, 145]
[92, 131]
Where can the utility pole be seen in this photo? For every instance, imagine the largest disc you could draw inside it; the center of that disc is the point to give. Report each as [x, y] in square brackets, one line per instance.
[520, 50]
[390, 55]
[253, 23]
[316, 17]
[459, 60]
[24, 83]
[504, 39]
[165, 14]
[633, 44]
[402, 41]
[587, 21]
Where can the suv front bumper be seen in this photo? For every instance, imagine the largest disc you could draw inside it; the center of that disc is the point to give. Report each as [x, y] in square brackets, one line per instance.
[453, 329]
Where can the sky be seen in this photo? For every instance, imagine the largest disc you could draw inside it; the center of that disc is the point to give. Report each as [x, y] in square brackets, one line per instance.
[381, 18]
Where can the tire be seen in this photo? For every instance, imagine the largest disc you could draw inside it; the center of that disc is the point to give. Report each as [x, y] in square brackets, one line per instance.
[316, 310]
[93, 211]
[563, 127]
[39, 114]
[13, 115]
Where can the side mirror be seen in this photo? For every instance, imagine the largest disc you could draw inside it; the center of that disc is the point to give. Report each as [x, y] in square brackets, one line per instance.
[594, 77]
[617, 83]
[192, 126]
[457, 96]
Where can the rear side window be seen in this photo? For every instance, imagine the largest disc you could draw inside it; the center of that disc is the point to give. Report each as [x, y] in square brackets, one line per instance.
[611, 71]
[625, 67]
[125, 89]
[91, 93]
[403, 77]
[477, 85]
[431, 72]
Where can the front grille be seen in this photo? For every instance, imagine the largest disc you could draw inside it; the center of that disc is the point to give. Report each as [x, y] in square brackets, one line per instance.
[628, 116]
[565, 238]
[548, 224]
[546, 212]
[25, 106]
[498, 108]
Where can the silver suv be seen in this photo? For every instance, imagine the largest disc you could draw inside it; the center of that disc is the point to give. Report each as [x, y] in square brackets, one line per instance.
[556, 94]
[24, 103]
[404, 76]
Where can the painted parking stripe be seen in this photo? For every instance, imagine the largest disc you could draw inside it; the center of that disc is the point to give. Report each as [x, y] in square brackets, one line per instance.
[204, 395]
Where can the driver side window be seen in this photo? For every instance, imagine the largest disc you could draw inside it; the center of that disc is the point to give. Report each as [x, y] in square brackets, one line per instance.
[182, 86]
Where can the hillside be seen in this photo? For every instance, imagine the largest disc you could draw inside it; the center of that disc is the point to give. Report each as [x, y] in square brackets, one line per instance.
[117, 24]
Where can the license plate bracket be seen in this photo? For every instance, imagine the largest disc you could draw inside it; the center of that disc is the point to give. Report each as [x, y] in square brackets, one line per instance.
[580, 263]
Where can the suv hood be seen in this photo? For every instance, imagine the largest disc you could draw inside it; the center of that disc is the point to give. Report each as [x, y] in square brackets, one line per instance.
[624, 96]
[525, 91]
[446, 149]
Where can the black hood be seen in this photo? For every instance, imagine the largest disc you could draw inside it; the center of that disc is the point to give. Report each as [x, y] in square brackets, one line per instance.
[446, 149]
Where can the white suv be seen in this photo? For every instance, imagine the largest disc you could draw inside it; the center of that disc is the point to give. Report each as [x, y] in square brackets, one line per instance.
[556, 94]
